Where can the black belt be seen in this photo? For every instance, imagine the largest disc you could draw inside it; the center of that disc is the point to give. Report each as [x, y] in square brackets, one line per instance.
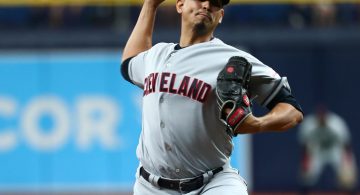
[179, 185]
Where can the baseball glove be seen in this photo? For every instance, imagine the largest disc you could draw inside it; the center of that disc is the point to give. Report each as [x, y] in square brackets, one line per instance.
[231, 90]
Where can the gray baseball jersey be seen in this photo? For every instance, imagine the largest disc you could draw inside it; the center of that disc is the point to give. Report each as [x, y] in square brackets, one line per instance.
[182, 135]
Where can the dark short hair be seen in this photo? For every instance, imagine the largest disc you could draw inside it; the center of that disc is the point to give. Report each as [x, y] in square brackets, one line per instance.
[220, 3]
[225, 2]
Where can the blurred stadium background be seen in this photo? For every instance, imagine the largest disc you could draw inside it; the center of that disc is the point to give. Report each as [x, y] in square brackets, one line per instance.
[69, 123]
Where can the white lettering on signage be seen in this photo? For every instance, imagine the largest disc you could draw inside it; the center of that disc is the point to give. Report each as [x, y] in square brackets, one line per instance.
[97, 120]
[94, 120]
[38, 138]
[7, 136]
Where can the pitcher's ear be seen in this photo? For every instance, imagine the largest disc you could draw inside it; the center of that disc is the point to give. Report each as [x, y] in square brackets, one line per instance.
[222, 15]
[179, 5]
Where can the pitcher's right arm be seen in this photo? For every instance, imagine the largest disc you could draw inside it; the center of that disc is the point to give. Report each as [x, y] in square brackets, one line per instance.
[141, 37]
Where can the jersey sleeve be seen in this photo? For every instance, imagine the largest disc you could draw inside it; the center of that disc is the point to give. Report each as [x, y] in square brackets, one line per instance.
[136, 68]
[265, 83]
[133, 69]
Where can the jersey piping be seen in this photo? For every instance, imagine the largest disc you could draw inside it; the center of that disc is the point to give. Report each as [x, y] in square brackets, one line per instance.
[125, 70]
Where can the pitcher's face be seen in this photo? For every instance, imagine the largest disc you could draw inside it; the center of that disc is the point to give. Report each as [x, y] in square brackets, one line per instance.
[202, 15]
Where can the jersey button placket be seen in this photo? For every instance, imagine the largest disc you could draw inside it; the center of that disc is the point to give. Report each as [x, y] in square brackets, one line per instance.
[168, 147]
[161, 100]
[162, 124]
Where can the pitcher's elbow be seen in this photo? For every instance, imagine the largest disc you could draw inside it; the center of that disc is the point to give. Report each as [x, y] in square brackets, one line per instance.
[296, 119]
[300, 117]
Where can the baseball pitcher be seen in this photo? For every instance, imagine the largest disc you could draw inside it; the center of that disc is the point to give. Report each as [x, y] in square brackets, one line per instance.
[197, 95]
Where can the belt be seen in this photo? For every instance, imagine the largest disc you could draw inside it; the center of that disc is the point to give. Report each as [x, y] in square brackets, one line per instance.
[184, 185]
